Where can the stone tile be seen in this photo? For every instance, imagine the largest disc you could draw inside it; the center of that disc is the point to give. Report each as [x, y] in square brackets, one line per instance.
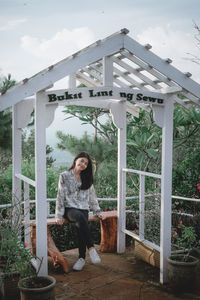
[118, 277]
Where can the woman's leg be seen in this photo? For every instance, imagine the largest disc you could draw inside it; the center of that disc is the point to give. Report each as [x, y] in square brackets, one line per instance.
[80, 218]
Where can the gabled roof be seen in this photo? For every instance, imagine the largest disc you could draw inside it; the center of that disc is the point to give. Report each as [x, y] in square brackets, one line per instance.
[134, 66]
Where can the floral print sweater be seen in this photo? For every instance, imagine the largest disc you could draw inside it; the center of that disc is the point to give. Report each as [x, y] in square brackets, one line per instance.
[70, 195]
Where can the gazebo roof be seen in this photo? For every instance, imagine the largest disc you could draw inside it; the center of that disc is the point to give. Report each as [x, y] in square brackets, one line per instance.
[134, 66]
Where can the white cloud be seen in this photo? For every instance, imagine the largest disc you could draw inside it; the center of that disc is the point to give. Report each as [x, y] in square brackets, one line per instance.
[59, 46]
[170, 43]
[12, 24]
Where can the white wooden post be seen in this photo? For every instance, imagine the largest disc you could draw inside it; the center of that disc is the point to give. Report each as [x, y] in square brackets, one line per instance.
[27, 237]
[40, 173]
[118, 111]
[141, 206]
[72, 80]
[121, 207]
[166, 188]
[16, 161]
[107, 71]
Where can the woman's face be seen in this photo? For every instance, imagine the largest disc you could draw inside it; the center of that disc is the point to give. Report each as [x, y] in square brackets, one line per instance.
[81, 164]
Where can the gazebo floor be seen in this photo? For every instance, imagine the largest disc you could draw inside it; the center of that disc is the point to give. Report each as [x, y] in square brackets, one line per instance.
[118, 276]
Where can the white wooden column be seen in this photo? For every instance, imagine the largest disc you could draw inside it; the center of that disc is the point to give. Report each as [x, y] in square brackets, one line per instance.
[40, 174]
[166, 187]
[141, 206]
[16, 158]
[118, 111]
[121, 207]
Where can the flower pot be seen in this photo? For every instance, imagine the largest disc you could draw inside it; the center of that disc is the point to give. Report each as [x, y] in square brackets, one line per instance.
[9, 286]
[37, 288]
[182, 274]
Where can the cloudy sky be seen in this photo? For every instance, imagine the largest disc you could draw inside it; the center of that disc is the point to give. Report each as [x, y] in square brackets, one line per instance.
[35, 34]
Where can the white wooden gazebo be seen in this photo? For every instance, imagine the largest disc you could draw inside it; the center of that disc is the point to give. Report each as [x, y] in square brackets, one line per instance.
[120, 75]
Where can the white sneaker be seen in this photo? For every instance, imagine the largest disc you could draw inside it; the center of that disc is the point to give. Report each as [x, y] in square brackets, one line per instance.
[78, 266]
[95, 259]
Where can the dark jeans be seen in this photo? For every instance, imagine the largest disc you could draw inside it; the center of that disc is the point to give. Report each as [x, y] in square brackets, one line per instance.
[80, 218]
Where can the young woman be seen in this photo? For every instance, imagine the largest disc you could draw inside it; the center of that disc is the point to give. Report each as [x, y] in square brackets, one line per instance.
[76, 195]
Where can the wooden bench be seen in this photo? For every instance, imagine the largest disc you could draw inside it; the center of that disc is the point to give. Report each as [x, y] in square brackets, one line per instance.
[108, 243]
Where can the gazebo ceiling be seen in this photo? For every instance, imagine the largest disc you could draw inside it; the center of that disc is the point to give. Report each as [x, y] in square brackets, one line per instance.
[134, 66]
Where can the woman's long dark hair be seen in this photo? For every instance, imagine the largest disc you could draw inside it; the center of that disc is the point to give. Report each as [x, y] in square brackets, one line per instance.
[87, 174]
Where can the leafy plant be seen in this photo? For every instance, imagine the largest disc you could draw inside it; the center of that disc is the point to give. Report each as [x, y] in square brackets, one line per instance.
[185, 238]
[14, 255]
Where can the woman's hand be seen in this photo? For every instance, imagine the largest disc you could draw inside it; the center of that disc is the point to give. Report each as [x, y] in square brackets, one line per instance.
[100, 216]
[60, 221]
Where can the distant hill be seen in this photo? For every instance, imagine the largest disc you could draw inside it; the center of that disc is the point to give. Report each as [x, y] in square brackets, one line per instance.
[63, 158]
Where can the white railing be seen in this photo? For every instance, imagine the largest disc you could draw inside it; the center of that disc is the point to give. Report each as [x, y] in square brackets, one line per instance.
[27, 182]
[142, 197]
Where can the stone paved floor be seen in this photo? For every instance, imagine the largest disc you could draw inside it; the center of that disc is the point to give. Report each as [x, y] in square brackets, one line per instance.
[118, 277]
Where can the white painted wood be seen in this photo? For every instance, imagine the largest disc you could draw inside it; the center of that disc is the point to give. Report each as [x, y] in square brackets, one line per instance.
[26, 179]
[121, 83]
[107, 71]
[146, 67]
[40, 172]
[104, 92]
[16, 162]
[25, 108]
[166, 188]
[89, 81]
[94, 103]
[50, 113]
[158, 115]
[142, 173]
[132, 109]
[121, 223]
[159, 64]
[133, 82]
[67, 66]
[80, 79]
[131, 70]
[93, 74]
[117, 115]
[27, 233]
[141, 206]
[136, 237]
[171, 89]
[72, 80]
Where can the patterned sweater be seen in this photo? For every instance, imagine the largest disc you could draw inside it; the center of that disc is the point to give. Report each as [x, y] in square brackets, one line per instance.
[70, 195]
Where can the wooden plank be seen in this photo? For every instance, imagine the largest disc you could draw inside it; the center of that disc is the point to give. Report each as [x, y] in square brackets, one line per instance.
[40, 178]
[162, 66]
[45, 78]
[106, 214]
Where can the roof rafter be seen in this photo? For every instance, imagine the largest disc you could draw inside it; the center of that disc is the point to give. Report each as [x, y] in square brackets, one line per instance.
[134, 66]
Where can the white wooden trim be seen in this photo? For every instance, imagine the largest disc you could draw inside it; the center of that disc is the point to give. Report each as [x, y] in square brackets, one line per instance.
[141, 206]
[71, 64]
[162, 66]
[121, 224]
[107, 71]
[40, 174]
[16, 160]
[27, 233]
[166, 188]
[142, 173]
[136, 237]
[26, 179]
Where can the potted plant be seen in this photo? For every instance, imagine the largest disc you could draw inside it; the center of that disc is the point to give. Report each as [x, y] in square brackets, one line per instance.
[37, 287]
[15, 258]
[17, 262]
[182, 264]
